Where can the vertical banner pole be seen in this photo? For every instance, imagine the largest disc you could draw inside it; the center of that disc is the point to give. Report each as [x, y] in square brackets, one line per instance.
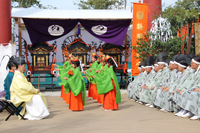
[140, 23]
[20, 36]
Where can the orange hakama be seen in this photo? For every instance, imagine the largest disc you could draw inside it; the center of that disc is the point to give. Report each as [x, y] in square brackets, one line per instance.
[75, 102]
[110, 99]
[100, 98]
[92, 91]
[62, 91]
[64, 95]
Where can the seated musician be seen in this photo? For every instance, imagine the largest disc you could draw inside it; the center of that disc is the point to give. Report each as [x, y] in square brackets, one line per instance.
[35, 107]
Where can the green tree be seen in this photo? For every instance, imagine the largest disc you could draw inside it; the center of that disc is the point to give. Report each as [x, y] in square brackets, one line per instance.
[49, 7]
[30, 3]
[146, 48]
[26, 3]
[181, 12]
[159, 39]
[100, 4]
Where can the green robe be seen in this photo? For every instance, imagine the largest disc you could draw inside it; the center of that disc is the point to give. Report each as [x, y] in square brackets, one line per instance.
[93, 66]
[99, 74]
[105, 85]
[62, 68]
[76, 84]
[102, 71]
[65, 74]
[98, 68]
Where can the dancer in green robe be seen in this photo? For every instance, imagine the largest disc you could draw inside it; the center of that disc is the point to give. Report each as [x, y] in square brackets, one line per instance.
[91, 71]
[99, 72]
[75, 86]
[90, 77]
[108, 85]
[65, 68]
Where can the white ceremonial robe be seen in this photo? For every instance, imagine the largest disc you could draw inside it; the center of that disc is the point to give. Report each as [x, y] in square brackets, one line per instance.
[36, 109]
[23, 91]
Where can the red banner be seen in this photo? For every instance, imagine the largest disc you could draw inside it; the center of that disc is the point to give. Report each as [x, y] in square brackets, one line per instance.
[184, 33]
[140, 22]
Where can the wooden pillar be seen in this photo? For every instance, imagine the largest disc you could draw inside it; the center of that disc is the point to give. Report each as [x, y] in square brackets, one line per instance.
[125, 44]
[5, 21]
[155, 6]
[20, 36]
[190, 36]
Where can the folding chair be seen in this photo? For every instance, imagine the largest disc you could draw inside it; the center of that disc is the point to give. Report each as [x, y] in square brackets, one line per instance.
[11, 108]
[2, 106]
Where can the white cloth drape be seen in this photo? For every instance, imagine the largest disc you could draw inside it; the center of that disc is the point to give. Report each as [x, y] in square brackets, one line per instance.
[5, 50]
[161, 29]
[36, 109]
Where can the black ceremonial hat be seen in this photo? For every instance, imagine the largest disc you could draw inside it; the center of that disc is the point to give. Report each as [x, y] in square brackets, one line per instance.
[150, 60]
[191, 55]
[10, 62]
[180, 57]
[174, 57]
[188, 60]
[183, 63]
[19, 60]
[162, 57]
[156, 61]
[168, 61]
[197, 58]
[142, 63]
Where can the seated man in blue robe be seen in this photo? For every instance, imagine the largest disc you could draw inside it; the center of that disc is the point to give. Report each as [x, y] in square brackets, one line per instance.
[8, 80]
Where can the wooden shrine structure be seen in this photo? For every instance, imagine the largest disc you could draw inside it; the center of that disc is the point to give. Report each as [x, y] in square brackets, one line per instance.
[41, 63]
